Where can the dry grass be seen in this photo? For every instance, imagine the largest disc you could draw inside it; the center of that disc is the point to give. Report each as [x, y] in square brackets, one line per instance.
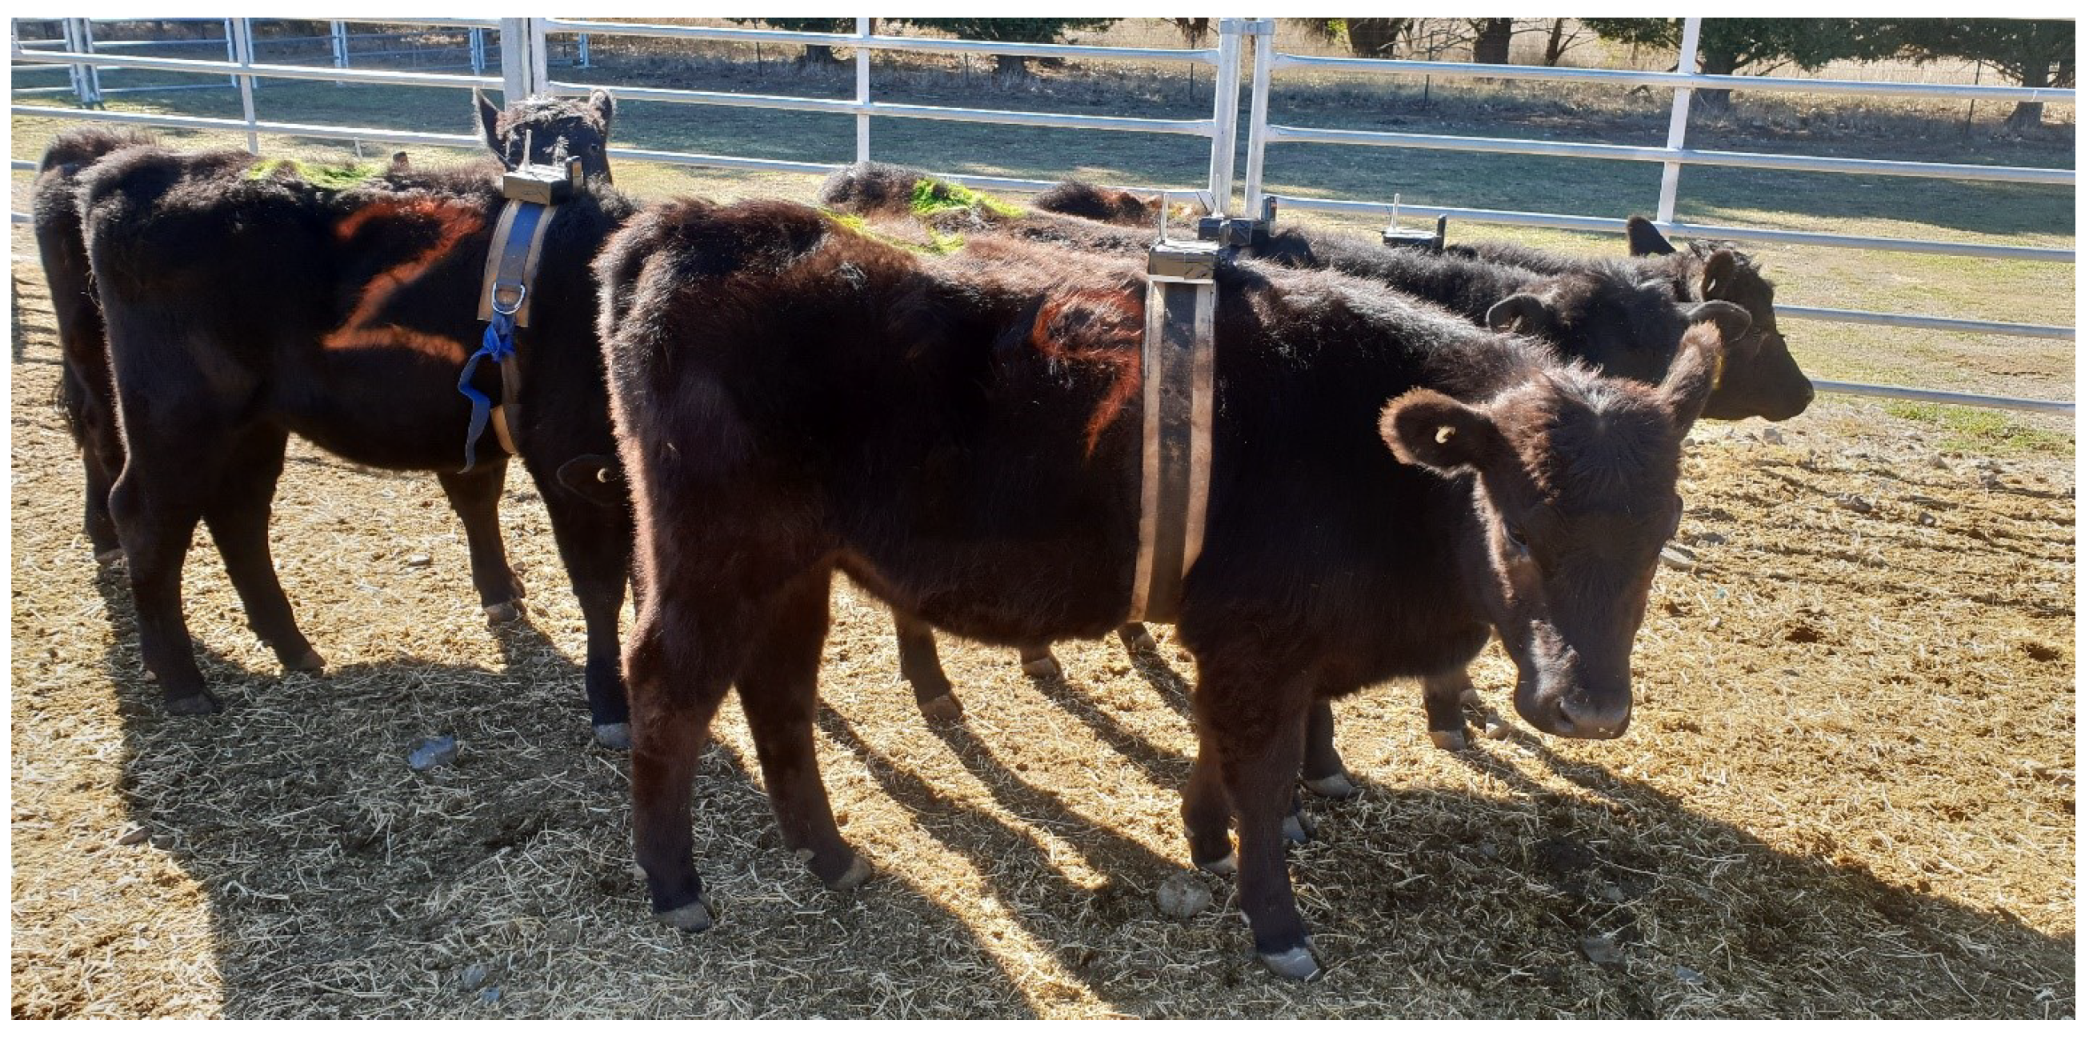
[1850, 789]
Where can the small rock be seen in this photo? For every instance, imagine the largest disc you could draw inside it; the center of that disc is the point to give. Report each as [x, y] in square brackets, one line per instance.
[1689, 976]
[1676, 558]
[473, 975]
[1937, 462]
[1487, 850]
[1991, 482]
[1183, 896]
[1772, 436]
[135, 836]
[490, 996]
[1611, 893]
[1711, 538]
[1928, 520]
[432, 752]
[1855, 503]
[1603, 951]
[419, 560]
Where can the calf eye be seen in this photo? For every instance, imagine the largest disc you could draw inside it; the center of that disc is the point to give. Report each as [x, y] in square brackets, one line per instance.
[1516, 539]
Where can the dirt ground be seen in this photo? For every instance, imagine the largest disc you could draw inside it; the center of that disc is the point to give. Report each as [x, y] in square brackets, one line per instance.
[1850, 789]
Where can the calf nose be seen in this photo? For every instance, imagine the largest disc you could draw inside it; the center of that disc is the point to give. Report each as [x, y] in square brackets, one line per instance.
[1593, 718]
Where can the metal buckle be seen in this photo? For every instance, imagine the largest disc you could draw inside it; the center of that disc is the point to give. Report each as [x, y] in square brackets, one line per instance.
[512, 308]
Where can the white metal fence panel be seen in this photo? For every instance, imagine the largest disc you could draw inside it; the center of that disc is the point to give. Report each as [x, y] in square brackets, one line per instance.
[523, 51]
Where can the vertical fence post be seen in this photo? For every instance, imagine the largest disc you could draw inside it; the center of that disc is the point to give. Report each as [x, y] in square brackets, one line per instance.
[1681, 105]
[243, 50]
[77, 74]
[338, 35]
[232, 53]
[581, 51]
[1228, 93]
[864, 59]
[522, 58]
[87, 79]
[1260, 112]
[476, 47]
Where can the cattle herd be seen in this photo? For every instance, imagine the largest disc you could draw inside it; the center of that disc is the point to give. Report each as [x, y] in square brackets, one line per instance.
[935, 393]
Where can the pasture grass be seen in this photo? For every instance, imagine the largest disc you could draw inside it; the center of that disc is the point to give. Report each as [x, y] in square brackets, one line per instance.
[1983, 430]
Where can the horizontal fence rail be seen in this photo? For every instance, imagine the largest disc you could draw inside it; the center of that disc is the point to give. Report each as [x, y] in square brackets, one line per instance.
[522, 46]
[1673, 156]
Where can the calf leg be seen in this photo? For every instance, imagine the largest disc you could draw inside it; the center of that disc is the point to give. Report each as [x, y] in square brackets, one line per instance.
[917, 646]
[678, 676]
[1445, 695]
[1252, 732]
[595, 543]
[238, 517]
[476, 498]
[1134, 636]
[1038, 661]
[777, 686]
[155, 520]
[1322, 771]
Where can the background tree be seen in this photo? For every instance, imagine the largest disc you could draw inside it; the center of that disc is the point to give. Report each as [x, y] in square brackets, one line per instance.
[1374, 37]
[1493, 40]
[2032, 54]
[1729, 45]
[1012, 30]
[1562, 32]
[816, 54]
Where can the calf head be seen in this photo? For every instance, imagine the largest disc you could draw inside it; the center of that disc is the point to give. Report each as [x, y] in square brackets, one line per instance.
[1762, 378]
[1625, 327]
[1575, 485]
[556, 129]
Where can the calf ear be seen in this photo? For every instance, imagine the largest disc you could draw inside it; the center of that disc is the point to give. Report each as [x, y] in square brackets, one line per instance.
[603, 106]
[1693, 375]
[1427, 428]
[1734, 321]
[488, 117]
[1645, 240]
[1716, 274]
[1524, 312]
[594, 477]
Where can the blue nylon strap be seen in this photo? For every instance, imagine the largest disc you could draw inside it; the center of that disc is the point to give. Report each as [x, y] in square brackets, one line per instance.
[499, 342]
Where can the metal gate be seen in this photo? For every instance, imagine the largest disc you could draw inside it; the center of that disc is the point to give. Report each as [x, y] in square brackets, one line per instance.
[523, 48]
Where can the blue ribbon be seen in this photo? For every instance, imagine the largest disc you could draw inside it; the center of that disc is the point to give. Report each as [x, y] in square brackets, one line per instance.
[498, 343]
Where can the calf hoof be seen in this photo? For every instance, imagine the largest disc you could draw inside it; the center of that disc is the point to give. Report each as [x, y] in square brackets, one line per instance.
[503, 613]
[1336, 785]
[1140, 642]
[1042, 667]
[194, 704]
[108, 557]
[1297, 963]
[1471, 699]
[693, 917]
[1496, 728]
[942, 708]
[1450, 739]
[615, 735]
[309, 662]
[1298, 829]
[1224, 867]
[852, 876]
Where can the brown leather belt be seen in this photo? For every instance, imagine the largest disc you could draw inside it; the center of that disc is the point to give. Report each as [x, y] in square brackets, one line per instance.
[512, 268]
[1177, 413]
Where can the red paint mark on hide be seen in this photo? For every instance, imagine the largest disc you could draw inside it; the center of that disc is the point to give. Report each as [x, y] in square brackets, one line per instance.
[362, 329]
[1100, 328]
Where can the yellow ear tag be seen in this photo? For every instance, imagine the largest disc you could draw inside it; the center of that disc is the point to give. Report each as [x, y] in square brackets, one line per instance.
[1445, 434]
